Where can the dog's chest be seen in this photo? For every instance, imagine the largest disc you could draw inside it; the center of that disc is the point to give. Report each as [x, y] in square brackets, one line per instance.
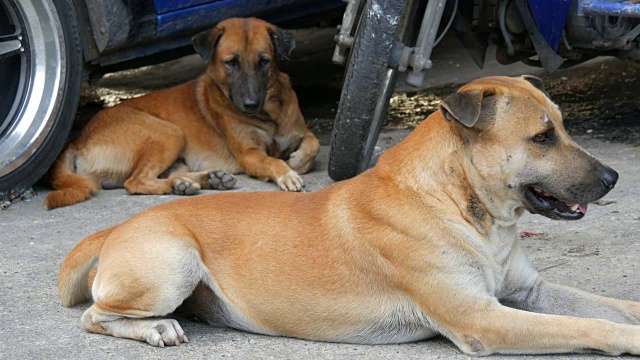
[264, 135]
[501, 246]
[281, 146]
[276, 141]
[286, 144]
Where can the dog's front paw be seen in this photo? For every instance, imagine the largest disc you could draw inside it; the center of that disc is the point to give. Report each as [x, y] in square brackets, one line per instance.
[290, 181]
[183, 186]
[299, 162]
[166, 332]
[221, 180]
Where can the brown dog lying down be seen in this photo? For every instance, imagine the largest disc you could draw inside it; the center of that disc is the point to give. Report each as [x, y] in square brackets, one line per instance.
[425, 243]
[241, 115]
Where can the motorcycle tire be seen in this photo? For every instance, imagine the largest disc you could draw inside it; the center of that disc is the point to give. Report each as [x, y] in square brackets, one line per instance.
[368, 86]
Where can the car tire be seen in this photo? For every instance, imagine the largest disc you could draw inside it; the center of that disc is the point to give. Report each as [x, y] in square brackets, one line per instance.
[35, 126]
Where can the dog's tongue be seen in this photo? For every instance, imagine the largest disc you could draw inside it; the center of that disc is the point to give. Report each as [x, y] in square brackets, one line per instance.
[583, 208]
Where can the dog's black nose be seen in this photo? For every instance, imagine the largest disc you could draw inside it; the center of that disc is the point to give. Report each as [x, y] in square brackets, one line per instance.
[609, 177]
[251, 105]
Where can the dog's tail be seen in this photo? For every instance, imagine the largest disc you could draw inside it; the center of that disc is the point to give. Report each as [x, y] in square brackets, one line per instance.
[73, 280]
[70, 188]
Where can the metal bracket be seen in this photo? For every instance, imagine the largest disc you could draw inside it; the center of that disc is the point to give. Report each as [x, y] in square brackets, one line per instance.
[344, 39]
[419, 58]
[402, 57]
[621, 43]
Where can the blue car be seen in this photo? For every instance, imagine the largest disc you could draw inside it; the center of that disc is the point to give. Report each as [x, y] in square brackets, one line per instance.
[48, 47]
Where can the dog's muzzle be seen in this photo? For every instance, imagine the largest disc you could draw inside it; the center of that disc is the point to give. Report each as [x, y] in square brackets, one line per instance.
[544, 203]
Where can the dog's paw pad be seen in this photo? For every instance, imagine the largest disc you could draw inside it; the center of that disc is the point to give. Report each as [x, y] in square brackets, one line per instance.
[166, 332]
[182, 186]
[221, 180]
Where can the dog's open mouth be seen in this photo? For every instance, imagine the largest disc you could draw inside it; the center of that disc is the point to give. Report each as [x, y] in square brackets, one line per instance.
[550, 206]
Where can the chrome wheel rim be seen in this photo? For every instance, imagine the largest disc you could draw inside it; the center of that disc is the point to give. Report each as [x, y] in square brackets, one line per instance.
[33, 67]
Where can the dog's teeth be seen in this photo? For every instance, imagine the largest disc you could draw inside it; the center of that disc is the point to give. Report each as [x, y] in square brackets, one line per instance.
[541, 192]
[575, 207]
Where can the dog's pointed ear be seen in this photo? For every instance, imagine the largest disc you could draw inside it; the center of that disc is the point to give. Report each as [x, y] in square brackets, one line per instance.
[463, 107]
[206, 42]
[283, 42]
[533, 80]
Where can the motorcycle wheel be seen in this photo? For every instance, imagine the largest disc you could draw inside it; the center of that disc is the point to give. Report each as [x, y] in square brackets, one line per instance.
[368, 86]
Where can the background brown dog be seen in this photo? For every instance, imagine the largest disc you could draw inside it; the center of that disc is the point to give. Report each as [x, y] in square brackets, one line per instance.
[241, 115]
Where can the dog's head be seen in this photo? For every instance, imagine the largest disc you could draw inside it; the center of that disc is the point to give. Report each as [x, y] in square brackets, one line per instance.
[242, 55]
[520, 151]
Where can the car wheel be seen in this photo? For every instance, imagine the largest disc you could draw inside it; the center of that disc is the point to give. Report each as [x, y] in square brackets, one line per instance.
[41, 73]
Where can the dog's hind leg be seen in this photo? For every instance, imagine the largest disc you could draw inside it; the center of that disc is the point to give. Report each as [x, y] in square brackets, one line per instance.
[133, 292]
[156, 157]
[157, 332]
[210, 179]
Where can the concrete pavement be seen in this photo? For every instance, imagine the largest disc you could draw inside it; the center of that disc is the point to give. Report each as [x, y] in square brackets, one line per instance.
[599, 253]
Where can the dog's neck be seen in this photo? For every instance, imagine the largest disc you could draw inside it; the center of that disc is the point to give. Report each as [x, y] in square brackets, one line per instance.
[215, 100]
[432, 162]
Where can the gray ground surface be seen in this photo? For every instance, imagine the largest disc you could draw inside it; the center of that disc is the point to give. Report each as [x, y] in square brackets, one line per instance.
[599, 253]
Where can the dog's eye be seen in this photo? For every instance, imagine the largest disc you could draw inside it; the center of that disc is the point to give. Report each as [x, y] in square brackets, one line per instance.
[263, 63]
[232, 63]
[542, 137]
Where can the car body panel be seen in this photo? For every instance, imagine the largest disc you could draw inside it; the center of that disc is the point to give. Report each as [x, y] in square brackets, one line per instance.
[131, 29]
[208, 14]
[165, 6]
[551, 19]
